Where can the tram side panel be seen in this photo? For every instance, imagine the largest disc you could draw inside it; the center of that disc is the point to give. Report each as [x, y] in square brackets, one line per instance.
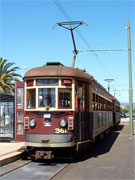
[94, 113]
[116, 112]
[102, 108]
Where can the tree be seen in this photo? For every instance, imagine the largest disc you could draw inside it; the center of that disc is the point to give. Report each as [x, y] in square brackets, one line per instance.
[124, 109]
[8, 76]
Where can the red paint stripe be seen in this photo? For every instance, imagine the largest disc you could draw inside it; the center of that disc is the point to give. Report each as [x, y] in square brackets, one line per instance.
[7, 153]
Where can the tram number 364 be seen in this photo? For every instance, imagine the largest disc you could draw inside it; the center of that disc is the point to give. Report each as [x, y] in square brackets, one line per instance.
[60, 131]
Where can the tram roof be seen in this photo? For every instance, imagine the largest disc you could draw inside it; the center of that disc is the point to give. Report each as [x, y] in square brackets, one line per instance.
[56, 69]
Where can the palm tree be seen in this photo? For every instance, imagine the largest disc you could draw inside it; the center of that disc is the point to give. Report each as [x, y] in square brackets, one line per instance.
[8, 76]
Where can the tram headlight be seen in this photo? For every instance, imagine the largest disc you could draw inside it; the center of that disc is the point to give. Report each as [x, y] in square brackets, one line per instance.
[63, 123]
[32, 123]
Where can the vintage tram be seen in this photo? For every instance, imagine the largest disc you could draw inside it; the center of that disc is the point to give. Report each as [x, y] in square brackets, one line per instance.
[65, 110]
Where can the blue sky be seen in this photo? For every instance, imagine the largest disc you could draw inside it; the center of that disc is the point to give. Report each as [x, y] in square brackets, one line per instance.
[27, 37]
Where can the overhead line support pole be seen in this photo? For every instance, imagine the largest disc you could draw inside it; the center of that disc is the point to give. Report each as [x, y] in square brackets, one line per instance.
[108, 50]
[131, 129]
[130, 83]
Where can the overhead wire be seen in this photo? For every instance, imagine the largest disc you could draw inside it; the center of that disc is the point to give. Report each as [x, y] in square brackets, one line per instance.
[100, 63]
[113, 35]
[69, 19]
[106, 72]
[62, 10]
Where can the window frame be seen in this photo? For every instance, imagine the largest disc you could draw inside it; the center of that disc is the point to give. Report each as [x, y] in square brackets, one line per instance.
[29, 83]
[27, 98]
[56, 84]
[70, 98]
[54, 97]
[22, 99]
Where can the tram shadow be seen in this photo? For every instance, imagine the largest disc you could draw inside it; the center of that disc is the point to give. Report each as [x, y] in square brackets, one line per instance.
[100, 147]
[95, 149]
[119, 127]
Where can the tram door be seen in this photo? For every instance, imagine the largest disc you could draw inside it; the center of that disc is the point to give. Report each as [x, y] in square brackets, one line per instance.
[80, 111]
[83, 116]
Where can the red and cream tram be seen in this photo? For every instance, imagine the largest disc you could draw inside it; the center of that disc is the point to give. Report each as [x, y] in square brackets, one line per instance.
[65, 109]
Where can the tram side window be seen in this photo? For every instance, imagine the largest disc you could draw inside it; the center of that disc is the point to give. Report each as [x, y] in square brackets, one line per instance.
[46, 97]
[93, 100]
[19, 117]
[64, 98]
[19, 98]
[31, 98]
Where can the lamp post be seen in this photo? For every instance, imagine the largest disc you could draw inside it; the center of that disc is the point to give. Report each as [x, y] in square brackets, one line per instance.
[109, 80]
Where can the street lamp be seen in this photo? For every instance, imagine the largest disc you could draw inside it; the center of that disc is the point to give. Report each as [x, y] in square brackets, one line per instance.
[109, 80]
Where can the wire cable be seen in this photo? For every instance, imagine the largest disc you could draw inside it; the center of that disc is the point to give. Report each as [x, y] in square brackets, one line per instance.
[100, 63]
[115, 34]
[69, 19]
[62, 10]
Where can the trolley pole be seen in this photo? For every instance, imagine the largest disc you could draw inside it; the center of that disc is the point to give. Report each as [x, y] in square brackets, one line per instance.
[130, 83]
[75, 24]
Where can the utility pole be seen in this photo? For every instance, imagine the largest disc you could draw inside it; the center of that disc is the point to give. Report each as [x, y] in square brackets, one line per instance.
[130, 76]
[130, 83]
[109, 80]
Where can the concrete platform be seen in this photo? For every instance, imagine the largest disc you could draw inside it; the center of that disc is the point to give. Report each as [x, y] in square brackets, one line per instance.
[9, 153]
[111, 159]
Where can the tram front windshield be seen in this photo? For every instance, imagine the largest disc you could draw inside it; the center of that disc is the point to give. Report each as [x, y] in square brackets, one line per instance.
[58, 98]
[46, 97]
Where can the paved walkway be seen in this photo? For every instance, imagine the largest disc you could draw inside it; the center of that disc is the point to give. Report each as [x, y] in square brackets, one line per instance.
[8, 152]
[113, 158]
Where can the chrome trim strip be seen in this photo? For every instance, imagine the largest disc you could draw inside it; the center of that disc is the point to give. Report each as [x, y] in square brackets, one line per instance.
[51, 145]
[51, 138]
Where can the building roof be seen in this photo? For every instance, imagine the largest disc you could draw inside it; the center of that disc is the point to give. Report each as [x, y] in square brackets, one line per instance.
[6, 97]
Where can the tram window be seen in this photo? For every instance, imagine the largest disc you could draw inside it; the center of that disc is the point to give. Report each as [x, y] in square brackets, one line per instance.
[19, 98]
[67, 82]
[19, 117]
[41, 82]
[29, 83]
[93, 106]
[19, 128]
[31, 98]
[46, 97]
[93, 97]
[93, 102]
[64, 98]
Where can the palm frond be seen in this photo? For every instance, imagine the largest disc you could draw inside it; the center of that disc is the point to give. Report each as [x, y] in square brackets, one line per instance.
[8, 76]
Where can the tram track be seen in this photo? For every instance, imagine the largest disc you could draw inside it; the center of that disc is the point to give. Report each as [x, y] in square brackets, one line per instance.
[13, 166]
[27, 169]
[60, 171]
